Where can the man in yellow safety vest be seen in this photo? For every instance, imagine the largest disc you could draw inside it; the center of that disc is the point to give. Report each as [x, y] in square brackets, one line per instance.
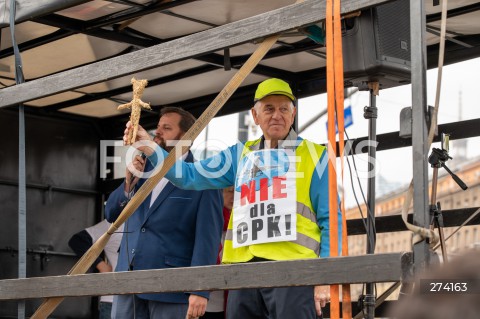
[280, 209]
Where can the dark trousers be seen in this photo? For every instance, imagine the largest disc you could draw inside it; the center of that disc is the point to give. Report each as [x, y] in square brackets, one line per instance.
[105, 310]
[131, 306]
[213, 315]
[271, 303]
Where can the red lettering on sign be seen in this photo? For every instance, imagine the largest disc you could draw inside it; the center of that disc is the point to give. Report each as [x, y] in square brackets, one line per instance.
[263, 189]
[278, 186]
[247, 193]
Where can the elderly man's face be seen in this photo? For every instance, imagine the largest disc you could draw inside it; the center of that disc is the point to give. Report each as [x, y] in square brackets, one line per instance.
[274, 114]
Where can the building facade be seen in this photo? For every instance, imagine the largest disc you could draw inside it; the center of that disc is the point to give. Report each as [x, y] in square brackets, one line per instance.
[450, 196]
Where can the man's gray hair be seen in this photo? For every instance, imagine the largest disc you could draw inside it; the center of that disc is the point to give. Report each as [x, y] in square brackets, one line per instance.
[256, 105]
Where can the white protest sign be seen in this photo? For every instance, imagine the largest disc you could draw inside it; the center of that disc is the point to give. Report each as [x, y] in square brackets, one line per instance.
[265, 198]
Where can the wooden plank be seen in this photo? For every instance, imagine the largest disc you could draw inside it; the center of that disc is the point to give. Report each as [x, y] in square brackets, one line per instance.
[354, 269]
[249, 29]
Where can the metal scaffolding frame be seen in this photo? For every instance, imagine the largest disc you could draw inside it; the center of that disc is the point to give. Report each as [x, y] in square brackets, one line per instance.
[358, 269]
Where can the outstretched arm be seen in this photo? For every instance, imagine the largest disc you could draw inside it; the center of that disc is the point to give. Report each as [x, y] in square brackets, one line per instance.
[215, 172]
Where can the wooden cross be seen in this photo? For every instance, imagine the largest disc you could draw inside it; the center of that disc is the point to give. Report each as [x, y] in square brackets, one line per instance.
[136, 105]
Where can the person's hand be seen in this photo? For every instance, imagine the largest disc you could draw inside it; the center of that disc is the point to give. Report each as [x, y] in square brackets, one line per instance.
[196, 306]
[137, 165]
[321, 296]
[147, 146]
[141, 133]
[104, 267]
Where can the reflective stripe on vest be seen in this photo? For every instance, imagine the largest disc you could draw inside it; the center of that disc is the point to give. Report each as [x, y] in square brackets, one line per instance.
[307, 244]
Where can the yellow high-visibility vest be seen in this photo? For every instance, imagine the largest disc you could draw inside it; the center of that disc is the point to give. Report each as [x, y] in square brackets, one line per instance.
[307, 244]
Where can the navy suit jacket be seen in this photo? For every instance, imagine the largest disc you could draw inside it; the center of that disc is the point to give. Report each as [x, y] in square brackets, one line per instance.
[182, 228]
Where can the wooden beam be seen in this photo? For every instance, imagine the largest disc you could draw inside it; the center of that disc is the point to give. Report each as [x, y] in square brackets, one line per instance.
[354, 269]
[249, 29]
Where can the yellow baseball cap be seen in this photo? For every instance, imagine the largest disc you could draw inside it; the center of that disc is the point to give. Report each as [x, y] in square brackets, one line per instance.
[273, 86]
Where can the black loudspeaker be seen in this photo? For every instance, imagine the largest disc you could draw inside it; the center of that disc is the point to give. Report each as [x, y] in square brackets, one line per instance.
[376, 46]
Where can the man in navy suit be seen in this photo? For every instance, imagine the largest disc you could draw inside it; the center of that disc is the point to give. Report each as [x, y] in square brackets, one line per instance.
[171, 228]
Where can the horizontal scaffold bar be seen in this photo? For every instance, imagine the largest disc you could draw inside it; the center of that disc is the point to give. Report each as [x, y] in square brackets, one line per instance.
[353, 269]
